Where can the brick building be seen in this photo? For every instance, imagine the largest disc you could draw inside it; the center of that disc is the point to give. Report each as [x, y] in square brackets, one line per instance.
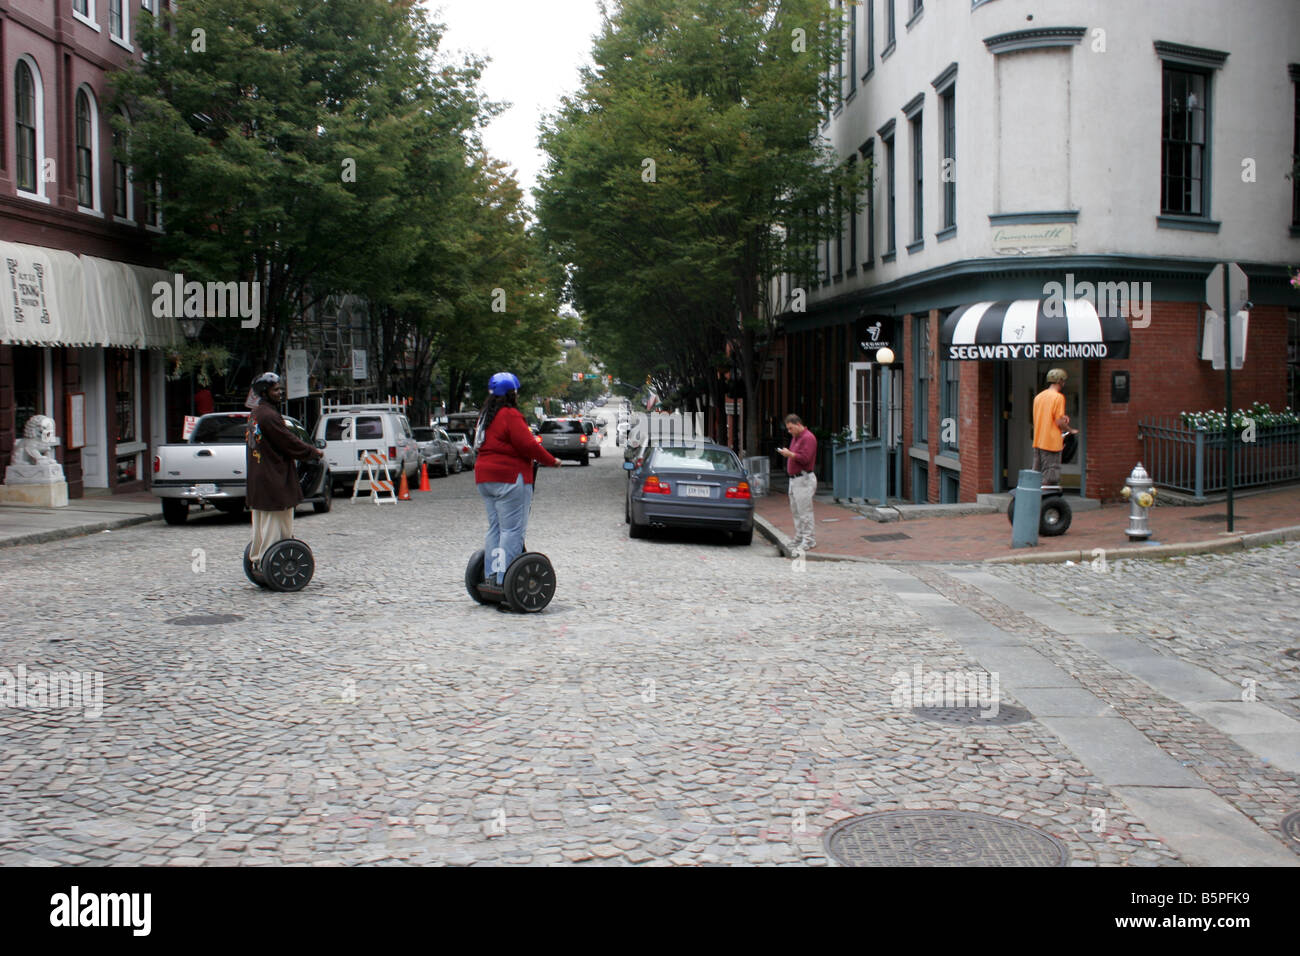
[1019, 153]
[78, 340]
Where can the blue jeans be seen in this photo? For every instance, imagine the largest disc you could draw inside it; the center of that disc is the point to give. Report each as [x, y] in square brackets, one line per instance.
[507, 511]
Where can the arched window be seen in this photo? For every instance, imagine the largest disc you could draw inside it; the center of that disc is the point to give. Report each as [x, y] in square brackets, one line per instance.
[87, 149]
[28, 128]
[121, 172]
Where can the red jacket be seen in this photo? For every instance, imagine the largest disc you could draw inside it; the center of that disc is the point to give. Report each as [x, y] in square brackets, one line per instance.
[509, 449]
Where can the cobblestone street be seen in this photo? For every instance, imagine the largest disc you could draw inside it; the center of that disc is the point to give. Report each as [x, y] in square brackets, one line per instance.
[682, 700]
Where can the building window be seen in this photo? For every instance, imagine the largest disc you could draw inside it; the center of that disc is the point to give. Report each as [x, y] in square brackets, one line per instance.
[918, 181]
[82, 7]
[839, 232]
[85, 148]
[122, 377]
[871, 37]
[29, 390]
[866, 391]
[868, 152]
[839, 61]
[891, 206]
[121, 174]
[116, 26]
[1295, 151]
[949, 173]
[921, 359]
[853, 221]
[27, 126]
[949, 385]
[1184, 128]
[889, 26]
[853, 46]
[152, 213]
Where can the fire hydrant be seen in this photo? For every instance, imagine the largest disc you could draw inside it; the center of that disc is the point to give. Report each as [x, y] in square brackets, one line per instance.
[1140, 492]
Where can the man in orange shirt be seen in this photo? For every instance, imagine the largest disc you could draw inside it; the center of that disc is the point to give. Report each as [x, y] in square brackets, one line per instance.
[1049, 420]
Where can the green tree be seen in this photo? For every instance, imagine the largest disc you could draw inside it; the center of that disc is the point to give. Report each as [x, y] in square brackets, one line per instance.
[687, 175]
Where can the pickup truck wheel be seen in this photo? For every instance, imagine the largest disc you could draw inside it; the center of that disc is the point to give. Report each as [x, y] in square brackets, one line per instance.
[175, 510]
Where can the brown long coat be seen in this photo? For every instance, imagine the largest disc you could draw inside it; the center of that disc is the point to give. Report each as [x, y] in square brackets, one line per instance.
[272, 449]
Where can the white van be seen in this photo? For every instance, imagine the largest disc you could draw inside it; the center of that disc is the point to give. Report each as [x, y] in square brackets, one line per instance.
[353, 431]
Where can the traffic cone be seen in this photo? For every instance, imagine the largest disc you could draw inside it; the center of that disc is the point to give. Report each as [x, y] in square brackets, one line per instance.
[424, 477]
[403, 490]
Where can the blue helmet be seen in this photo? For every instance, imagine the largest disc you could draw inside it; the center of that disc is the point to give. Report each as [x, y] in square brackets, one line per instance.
[503, 382]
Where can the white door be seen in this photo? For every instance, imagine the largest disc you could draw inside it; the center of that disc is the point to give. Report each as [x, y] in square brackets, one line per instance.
[94, 454]
[864, 392]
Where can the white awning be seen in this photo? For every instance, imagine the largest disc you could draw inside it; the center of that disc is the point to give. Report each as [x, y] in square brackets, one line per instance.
[52, 297]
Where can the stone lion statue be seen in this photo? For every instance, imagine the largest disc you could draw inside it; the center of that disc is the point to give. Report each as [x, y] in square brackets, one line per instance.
[34, 448]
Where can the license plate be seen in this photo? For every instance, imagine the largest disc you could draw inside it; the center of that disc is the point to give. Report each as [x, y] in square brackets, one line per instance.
[695, 491]
[208, 489]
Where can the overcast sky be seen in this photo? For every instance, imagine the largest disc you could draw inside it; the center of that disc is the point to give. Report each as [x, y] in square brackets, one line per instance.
[536, 48]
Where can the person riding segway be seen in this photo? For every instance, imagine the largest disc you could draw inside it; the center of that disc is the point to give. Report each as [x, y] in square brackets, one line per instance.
[274, 559]
[507, 455]
[1055, 442]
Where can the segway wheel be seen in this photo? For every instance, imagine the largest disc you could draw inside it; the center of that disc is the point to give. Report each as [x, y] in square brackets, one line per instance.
[530, 583]
[288, 565]
[248, 568]
[474, 576]
[1055, 517]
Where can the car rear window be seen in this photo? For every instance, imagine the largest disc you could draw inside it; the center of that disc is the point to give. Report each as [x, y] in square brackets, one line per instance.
[695, 459]
[220, 430]
[562, 428]
[367, 427]
[458, 437]
[423, 434]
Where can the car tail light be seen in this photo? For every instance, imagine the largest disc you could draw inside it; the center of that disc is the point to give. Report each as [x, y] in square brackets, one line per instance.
[739, 491]
[157, 464]
[392, 453]
[653, 486]
[582, 439]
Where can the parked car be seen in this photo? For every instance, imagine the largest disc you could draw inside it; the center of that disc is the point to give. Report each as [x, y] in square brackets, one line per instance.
[464, 449]
[436, 450]
[211, 469]
[351, 432]
[567, 438]
[596, 437]
[701, 485]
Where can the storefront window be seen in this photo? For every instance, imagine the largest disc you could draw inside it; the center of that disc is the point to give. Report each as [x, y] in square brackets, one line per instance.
[124, 397]
[950, 378]
[921, 416]
[29, 396]
[1293, 358]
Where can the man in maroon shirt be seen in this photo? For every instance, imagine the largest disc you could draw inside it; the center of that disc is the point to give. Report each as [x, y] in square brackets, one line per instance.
[800, 458]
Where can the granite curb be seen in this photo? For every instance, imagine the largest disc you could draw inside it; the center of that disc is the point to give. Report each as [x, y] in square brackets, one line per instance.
[58, 534]
[1233, 542]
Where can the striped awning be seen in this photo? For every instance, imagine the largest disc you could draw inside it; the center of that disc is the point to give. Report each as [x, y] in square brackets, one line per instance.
[1032, 329]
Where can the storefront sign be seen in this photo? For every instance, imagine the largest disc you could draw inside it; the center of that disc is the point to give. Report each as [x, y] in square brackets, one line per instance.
[1031, 350]
[76, 420]
[1029, 238]
[295, 373]
[191, 421]
[872, 334]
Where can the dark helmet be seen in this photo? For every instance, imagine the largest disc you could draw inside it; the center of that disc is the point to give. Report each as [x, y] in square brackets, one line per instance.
[503, 382]
[262, 384]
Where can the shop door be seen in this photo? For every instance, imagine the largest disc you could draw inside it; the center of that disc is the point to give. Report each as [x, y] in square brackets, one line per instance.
[94, 454]
[1024, 380]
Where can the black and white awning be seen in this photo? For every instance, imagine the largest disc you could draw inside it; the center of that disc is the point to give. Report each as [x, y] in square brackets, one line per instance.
[1032, 329]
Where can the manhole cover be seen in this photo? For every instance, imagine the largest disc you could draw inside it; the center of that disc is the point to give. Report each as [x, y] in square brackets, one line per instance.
[892, 536]
[1007, 714]
[1219, 517]
[1291, 826]
[1293, 653]
[941, 838]
[196, 620]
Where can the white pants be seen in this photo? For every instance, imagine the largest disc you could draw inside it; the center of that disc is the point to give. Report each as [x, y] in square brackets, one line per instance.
[802, 490]
[268, 528]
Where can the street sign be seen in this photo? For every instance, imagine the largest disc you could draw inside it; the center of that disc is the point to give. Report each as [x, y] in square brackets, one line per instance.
[295, 373]
[1212, 340]
[1238, 289]
[577, 376]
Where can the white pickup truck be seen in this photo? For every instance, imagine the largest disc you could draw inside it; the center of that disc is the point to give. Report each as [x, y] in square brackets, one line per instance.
[210, 469]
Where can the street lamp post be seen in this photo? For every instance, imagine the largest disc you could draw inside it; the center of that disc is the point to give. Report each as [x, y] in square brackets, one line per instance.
[885, 357]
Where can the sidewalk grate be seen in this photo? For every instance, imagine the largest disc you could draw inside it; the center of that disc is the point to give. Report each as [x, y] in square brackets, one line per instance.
[1007, 714]
[941, 838]
[892, 536]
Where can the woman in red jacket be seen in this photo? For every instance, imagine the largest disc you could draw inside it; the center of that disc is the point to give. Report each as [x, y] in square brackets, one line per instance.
[503, 472]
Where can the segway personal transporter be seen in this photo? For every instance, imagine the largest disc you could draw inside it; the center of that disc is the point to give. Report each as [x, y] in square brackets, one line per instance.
[287, 566]
[529, 582]
[1054, 514]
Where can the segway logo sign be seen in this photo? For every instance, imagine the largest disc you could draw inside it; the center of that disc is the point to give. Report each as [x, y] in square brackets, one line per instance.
[179, 299]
